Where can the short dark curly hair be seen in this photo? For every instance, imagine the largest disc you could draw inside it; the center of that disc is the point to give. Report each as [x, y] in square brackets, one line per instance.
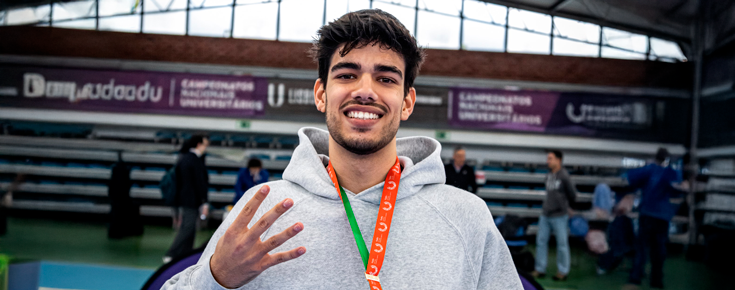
[367, 27]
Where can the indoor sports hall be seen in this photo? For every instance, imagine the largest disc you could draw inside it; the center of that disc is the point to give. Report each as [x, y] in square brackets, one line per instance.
[103, 101]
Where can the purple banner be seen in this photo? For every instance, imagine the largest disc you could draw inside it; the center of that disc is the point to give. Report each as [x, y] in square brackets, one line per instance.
[133, 92]
[500, 109]
[551, 112]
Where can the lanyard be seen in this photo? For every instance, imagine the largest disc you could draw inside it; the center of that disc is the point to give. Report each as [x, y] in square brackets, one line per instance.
[373, 261]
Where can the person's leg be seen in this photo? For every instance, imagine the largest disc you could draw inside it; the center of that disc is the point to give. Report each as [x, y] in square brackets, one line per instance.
[184, 241]
[641, 248]
[542, 243]
[563, 257]
[658, 252]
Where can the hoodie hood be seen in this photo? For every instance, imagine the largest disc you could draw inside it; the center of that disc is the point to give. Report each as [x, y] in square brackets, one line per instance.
[419, 156]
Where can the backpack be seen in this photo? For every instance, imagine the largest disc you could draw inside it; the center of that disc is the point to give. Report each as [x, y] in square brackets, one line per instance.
[168, 186]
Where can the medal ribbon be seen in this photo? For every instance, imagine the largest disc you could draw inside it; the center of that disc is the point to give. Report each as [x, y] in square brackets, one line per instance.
[373, 260]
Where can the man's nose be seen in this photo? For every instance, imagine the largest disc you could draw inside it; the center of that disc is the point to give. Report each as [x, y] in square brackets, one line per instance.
[364, 91]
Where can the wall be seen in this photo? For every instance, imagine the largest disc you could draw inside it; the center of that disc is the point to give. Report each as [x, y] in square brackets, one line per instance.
[43, 41]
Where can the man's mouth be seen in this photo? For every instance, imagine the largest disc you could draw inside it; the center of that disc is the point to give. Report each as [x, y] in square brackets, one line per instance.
[362, 115]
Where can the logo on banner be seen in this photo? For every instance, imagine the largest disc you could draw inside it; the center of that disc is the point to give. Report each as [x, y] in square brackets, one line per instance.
[634, 114]
[35, 86]
[272, 101]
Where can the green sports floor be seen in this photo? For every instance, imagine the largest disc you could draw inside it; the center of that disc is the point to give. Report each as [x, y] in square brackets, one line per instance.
[85, 242]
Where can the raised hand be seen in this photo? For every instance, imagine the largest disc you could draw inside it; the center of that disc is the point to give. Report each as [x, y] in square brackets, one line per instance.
[240, 255]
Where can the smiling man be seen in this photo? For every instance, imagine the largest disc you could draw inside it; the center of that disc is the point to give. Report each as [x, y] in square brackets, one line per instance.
[358, 208]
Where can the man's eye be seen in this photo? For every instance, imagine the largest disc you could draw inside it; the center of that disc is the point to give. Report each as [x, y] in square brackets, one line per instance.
[345, 77]
[387, 80]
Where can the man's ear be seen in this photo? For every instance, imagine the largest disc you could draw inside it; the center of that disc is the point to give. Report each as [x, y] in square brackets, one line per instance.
[320, 96]
[409, 101]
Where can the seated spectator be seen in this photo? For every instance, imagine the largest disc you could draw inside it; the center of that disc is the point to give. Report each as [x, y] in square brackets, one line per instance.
[248, 177]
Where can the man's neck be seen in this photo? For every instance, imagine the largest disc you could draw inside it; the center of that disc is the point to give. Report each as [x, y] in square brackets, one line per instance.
[357, 173]
[458, 166]
[555, 170]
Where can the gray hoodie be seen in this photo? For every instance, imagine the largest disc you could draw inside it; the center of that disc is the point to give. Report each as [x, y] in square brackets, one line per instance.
[441, 237]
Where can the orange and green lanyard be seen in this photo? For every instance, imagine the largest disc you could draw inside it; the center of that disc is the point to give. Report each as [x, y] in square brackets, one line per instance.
[373, 260]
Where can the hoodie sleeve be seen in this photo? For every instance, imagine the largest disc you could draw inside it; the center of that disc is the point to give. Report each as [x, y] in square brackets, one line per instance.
[498, 271]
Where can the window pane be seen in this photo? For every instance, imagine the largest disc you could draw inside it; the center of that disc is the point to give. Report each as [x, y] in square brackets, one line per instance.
[256, 21]
[28, 15]
[485, 11]
[574, 48]
[665, 48]
[451, 7]
[481, 36]
[164, 5]
[115, 7]
[624, 39]
[76, 24]
[126, 23]
[438, 31]
[407, 16]
[254, 1]
[609, 52]
[210, 22]
[528, 42]
[300, 19]
[529, 20]
[71, 10]
[165, 23]
[409, 3]
[2, 18]
[337, 8]
[576, 30]
[209, 3]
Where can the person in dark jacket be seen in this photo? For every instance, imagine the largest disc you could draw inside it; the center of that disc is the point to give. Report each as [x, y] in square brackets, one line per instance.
[655, 181]
[192, 187]
[459, 174]
[248, 177]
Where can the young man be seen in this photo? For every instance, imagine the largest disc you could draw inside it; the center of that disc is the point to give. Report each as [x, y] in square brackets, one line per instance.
[560, 191]
[192, 186]
[302, 232]
[459, 174]
[655, 181]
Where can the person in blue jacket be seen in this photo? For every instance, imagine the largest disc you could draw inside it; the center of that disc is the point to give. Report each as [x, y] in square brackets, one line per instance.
[248, 177]
[655, 182]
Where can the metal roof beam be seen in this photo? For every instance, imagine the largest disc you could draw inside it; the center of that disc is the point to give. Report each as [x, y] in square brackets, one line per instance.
[594, 20]
[559, 5]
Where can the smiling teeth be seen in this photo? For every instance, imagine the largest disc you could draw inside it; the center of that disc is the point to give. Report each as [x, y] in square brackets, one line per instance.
[362, 115]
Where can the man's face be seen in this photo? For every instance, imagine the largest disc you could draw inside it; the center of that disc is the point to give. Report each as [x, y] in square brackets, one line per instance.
[459, 157]
[552, 161]
[202, 147]
[363, 98]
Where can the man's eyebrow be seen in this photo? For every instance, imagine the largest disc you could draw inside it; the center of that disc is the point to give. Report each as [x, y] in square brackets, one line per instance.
[388, 68]
[347, 65]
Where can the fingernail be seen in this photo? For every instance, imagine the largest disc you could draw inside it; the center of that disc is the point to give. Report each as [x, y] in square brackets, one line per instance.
[301, 251]
[298, 228]
[288, 203]
[262, 189]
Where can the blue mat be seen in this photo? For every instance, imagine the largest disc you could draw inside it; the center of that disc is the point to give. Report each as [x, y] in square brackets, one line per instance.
[57, 275]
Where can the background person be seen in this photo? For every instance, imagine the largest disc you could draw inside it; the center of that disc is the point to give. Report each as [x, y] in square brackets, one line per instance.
[248, 177]
[192, 188]
[459, 174]
[655, 212]
[560, 191]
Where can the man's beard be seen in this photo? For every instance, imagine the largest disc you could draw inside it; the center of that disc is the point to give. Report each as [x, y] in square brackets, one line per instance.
[361, 146]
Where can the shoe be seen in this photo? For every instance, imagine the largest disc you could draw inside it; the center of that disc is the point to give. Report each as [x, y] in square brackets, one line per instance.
[538, 275]
[167, 259]
[559, 277]
[630, 287]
